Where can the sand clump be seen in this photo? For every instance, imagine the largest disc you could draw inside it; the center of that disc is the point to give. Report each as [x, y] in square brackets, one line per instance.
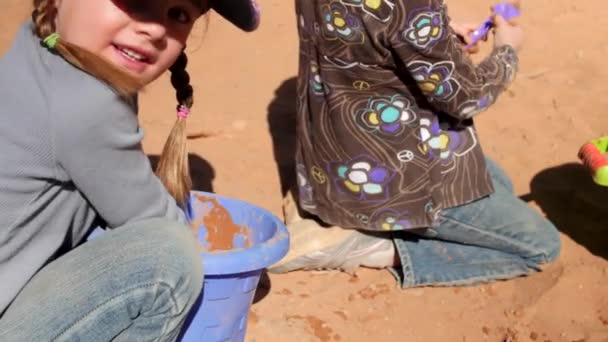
[221, 229]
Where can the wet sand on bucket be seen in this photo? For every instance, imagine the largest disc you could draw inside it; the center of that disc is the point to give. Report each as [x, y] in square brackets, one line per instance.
[221, 229]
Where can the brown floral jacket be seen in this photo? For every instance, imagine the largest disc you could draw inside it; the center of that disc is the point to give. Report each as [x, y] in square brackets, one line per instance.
[386, 97]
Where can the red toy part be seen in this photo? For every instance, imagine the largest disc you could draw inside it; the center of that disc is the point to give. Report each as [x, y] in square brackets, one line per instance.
[592, 157]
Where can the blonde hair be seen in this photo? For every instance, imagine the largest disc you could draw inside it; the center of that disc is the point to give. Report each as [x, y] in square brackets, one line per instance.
[173, 167]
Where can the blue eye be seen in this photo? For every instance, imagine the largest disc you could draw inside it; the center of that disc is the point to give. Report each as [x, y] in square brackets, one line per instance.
[180, 15]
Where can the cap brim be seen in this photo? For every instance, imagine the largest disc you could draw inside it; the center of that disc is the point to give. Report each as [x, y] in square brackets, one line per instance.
[242, 13]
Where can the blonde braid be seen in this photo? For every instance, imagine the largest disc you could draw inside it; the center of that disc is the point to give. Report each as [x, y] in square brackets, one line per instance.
[43, 18]
[173, 167]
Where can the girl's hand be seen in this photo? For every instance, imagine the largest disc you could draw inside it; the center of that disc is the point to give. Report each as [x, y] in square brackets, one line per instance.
[507, 33]
[463, 32]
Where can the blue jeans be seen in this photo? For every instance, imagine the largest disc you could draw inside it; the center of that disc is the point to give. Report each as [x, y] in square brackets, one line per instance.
[496, 237]
[134, 283]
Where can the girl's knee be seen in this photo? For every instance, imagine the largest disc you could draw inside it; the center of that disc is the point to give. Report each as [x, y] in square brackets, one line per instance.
[498, 175]
[177, 254]
[548, 242]
[554, 245]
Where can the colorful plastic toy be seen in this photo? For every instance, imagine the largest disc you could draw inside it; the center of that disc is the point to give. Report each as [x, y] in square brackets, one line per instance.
[505, 10]
[593, 155]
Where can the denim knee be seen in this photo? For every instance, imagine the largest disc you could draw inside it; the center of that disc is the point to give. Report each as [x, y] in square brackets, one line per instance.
[546, 242]
[178, 254]
[498, 175]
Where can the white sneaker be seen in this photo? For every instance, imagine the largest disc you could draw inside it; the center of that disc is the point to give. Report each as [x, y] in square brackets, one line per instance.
[314, 247]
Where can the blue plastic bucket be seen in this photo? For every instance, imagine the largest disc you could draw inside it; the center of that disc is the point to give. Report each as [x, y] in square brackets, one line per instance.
[231, 276]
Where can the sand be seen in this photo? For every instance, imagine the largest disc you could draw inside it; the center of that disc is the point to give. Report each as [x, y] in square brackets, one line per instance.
[245, 91]
[219, 225]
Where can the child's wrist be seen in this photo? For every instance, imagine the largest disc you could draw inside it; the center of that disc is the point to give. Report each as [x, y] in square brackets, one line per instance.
[505, 46]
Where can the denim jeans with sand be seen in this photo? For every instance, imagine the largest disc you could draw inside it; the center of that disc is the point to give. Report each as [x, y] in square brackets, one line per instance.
[134, 283]
[496, 237]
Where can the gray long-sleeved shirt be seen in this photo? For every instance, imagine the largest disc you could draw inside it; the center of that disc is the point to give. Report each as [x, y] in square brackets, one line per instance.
[70, 152]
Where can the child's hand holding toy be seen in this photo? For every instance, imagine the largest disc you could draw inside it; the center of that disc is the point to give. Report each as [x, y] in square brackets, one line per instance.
[506, 32]
[464, 33]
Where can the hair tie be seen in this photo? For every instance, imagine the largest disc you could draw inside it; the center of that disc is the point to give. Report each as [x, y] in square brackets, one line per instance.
[51, 40]
[182, 112]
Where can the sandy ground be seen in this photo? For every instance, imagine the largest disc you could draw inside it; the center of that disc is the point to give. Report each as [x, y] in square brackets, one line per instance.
[245, 91]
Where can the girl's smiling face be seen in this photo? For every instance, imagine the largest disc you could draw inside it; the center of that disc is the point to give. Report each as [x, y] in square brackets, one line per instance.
[142, 37]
